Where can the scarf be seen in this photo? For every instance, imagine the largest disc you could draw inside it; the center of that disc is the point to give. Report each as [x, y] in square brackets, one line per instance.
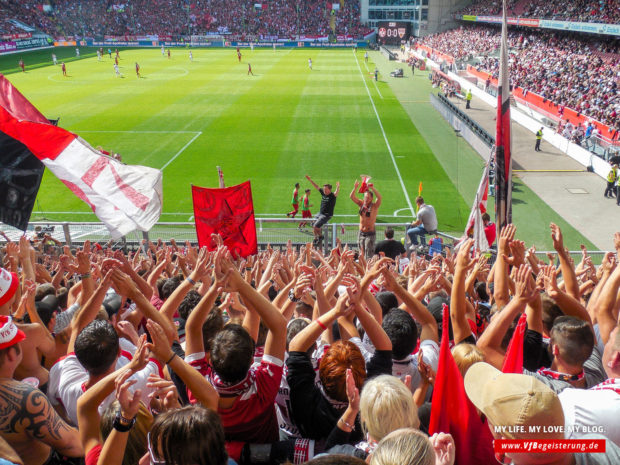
[225, 389]
[561, 376]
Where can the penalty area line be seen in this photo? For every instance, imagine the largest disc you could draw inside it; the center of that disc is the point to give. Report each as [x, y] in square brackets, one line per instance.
[181, 151]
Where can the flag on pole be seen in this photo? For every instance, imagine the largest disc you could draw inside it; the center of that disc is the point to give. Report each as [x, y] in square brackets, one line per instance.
[452, 411]
[228, 212]
[123, 197]
[503, 154]
[513, 362]
[475, 224]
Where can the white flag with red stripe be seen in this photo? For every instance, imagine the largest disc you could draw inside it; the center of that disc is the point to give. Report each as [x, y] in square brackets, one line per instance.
[475, 225]
[124, 197]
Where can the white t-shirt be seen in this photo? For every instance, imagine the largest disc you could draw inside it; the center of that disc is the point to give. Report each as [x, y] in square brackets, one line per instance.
[595, 410]
[408, 365]
[67, 380]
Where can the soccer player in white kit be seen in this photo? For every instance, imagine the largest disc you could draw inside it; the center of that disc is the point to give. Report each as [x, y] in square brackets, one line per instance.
[310, 63]
[252, 46]
[163, 51]
[191, 57]
[98, 55]
[116, 70]
[77, 52]
[54, 59]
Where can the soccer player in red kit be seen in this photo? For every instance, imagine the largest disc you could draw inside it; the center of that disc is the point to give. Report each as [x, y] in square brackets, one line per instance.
[250, 70]
[305, 208]
[116, 60]
[294, 202]
[239, 56]
[137, 69]
[64, 69]
[168, 53]
[21, 65]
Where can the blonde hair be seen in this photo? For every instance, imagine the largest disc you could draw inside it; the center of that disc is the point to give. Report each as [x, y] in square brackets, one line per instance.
[465, 355]
[406, 446]
[386, 405]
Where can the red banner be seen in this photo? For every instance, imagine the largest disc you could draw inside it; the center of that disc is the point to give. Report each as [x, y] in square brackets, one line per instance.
[228, 212]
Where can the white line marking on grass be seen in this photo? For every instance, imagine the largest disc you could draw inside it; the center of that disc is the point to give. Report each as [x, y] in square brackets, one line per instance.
[399, 210]
[181, 151]
[87, 233]
[149, 132]
[368, 69]
[400, 178]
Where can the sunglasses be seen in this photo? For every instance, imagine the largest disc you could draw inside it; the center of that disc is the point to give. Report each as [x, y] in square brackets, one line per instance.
[154, 461]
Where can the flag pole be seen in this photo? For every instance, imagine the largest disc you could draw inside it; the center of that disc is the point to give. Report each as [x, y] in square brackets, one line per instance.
[220, 175]
[503, 153]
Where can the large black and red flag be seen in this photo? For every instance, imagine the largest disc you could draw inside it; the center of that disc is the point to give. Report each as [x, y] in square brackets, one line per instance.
[123, 197]
[503, 152]
[229, 212]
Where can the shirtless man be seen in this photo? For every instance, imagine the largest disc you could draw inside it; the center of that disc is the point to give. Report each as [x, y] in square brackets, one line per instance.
[368, 216]
[29, 423]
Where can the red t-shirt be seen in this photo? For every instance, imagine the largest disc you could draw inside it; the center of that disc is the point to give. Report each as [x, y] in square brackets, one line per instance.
[490, 231]
[252, 418]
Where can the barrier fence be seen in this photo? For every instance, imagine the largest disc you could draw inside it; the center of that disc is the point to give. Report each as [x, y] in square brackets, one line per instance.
[273, 231]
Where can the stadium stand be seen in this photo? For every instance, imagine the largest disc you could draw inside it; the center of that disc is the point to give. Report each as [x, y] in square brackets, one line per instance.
[279, 18]
[574, 71]
[593, 11]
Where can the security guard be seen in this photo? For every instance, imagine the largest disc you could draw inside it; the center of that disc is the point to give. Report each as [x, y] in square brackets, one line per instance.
[538, 139]
[468, 98]
[612, 177]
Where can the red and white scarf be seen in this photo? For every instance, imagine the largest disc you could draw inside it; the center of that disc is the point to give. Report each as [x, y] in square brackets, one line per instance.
[561, 376]
[225, 389]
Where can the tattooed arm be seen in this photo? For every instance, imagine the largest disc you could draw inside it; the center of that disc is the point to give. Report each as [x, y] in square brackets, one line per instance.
[27, 410]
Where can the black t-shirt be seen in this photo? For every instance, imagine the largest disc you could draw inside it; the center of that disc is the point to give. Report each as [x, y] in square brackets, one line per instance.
[390, 248]
[328, 202]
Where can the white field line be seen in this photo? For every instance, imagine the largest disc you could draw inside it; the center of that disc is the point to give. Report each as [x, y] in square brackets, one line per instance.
[400, 178]
[148, 132]
[181, 151]
[373, 81]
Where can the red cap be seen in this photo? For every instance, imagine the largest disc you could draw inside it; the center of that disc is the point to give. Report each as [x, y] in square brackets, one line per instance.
[9, 333]
[8, 285]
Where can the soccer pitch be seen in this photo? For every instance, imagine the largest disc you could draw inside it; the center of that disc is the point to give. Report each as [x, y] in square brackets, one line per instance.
[333, 122]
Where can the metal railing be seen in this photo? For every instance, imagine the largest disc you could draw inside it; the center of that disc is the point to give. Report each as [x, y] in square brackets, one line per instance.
[274, 231]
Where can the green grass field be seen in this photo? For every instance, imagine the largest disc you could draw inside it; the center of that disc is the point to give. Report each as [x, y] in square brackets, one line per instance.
[333, 123]
[272, 128]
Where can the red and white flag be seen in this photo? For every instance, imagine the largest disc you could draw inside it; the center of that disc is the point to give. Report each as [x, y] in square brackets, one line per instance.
[503, 153]
[123, 197]
[475, 224]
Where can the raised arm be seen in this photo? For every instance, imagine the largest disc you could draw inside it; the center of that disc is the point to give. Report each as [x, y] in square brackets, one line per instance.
[337, 191]
[490, 342]
[568, 272]
[202, 390]
[501, 292]
[314, 184]
[458, 300]
[199, 273]
[308, 336]
[377, 195]
[193, 328]
[414, 307]
[88, 403]
[352, 195]
[275, 345]
[605, 317]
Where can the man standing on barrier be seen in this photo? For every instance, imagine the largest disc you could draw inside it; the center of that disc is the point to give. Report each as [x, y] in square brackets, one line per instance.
[326, 211]
[368, 216]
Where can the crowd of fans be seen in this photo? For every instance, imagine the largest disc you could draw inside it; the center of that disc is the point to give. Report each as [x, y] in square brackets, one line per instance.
[572, 71]
[178, 355]
[593, 11]
[268, 19]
